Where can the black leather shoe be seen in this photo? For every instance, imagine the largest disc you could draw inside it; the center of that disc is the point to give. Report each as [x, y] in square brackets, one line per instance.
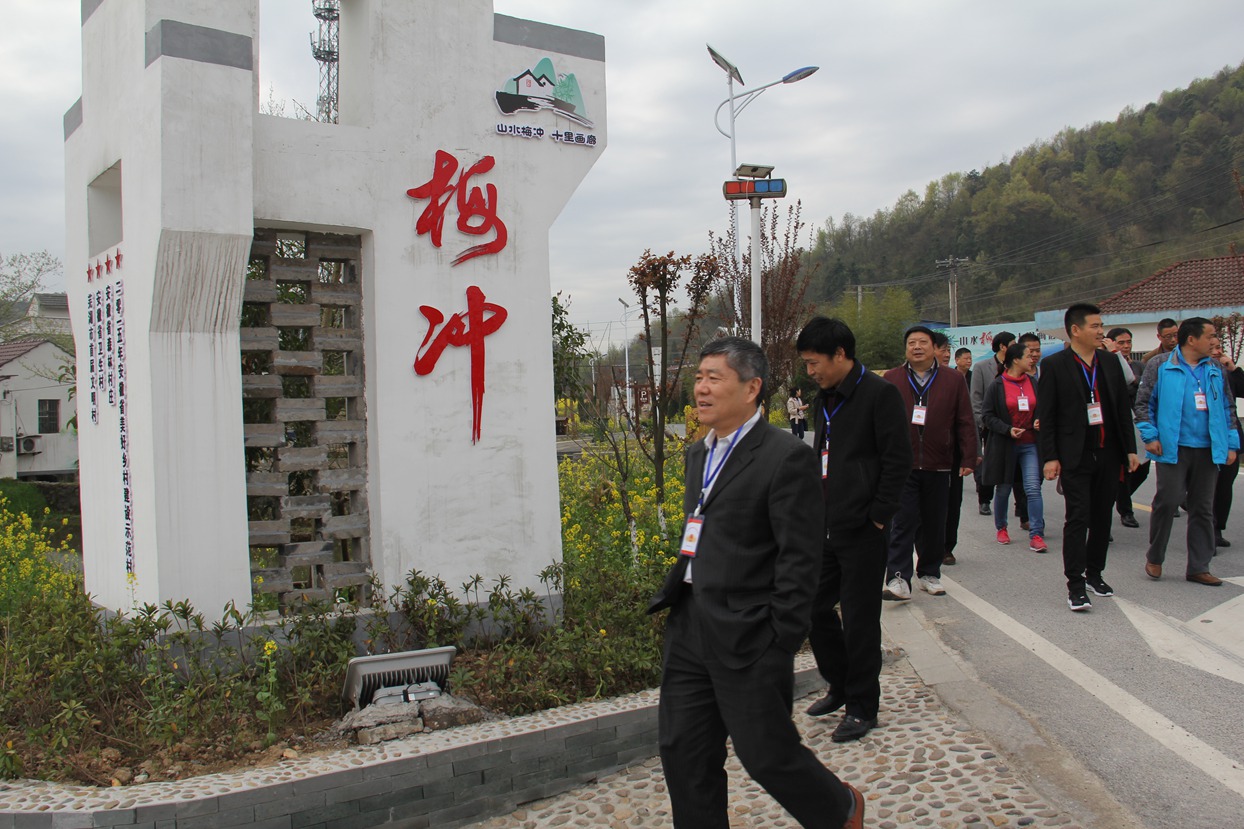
[827, 704]
[1129, 520]
[852, 728]
[949, 559]
[985, 510]
[1221, 542]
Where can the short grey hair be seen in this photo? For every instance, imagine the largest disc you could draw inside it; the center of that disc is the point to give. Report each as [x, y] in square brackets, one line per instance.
[745, 359]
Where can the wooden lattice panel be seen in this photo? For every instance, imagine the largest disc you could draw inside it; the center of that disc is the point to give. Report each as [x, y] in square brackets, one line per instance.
[305, 417]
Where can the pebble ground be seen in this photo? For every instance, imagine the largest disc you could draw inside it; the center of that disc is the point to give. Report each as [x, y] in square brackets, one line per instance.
[921, 767]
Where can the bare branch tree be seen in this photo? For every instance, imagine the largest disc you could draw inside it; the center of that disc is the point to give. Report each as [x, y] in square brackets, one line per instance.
[785, 281]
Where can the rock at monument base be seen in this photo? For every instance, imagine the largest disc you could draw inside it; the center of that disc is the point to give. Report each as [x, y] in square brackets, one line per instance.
[380, 723]
[392, 731]
[447, 711]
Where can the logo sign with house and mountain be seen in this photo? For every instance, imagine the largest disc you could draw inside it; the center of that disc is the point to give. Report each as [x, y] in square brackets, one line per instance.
[542, 88]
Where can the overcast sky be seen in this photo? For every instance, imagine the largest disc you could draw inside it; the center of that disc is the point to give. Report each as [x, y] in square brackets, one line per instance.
[906, 92]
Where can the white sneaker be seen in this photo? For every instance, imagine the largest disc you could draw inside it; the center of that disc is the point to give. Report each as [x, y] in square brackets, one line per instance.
[896, 590]
[932, 585]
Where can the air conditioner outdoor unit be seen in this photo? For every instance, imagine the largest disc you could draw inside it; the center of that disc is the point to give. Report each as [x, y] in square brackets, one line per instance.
[29, 445]
[6, 444]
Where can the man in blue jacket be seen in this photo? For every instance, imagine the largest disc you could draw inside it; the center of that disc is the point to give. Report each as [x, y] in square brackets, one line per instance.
[1187, 420]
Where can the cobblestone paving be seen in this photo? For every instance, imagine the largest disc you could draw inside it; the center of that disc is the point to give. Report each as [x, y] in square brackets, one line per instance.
[921, 767]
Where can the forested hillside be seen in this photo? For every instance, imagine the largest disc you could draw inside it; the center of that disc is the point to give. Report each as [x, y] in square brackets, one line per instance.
[1075, 217]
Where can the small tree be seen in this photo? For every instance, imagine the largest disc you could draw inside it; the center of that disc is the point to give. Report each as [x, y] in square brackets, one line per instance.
[569, 352]
[655, 280]
[22, 275]
[1231, 330]
[878, 325]
[785, 277]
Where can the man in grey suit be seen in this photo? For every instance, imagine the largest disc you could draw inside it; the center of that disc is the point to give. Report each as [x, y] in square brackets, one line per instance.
[984, 371]
[740, 596]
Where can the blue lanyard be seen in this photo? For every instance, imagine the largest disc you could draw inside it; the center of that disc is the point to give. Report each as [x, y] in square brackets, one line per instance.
[829, 416]
[1200, 380]
[921, 391]
[1092, 382]
[711, 474]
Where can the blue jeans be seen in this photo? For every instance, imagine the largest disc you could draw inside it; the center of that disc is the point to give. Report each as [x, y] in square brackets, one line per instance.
[1025, 455]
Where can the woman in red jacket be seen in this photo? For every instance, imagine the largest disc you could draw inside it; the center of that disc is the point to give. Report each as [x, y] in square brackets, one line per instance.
[1009, 413]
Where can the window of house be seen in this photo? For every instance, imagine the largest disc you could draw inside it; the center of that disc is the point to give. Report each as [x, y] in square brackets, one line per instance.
[49, 417]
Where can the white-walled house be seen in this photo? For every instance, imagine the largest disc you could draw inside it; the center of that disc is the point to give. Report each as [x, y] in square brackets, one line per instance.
[36, 440]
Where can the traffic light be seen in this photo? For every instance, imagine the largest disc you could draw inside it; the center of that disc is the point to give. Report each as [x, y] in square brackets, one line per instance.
[761, 188]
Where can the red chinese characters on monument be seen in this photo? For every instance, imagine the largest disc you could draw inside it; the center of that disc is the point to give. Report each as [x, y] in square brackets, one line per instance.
[477, 209]
[468, 328]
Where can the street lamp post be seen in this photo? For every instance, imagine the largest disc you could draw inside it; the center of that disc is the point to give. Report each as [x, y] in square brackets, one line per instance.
[737, 104]
[626, 348]
[753, 182]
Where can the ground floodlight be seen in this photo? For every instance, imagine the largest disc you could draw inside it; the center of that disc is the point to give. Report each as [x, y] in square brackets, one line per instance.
[365, 675]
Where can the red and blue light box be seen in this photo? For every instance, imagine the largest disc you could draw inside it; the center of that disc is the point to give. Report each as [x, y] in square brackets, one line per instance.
[759, 188]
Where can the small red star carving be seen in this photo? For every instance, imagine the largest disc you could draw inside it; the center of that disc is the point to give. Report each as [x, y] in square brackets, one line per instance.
[99, 269]
[90, 273]
[118, 258]
[108, 264]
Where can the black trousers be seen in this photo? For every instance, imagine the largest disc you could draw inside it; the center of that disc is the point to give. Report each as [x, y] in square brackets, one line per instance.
[954, 508]
[1089, 492]
[920, 525]
[703, 702]
[1222, 494]
[1131, 483]
[848, 647]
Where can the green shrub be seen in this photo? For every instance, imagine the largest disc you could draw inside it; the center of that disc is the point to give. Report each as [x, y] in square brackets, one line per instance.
[78, 685]
[22, 497]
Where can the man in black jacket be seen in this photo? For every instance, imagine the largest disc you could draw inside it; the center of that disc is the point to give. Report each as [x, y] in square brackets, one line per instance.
[864, 457]
[1086, 438]
[740, 596]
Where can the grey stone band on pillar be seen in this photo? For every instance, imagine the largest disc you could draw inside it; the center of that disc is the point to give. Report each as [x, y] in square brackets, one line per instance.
[89, 7]
[73, 118]
[174, 39]
[548, 38]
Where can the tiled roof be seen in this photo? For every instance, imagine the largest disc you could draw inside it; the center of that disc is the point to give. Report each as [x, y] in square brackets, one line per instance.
[1197, 283]
[53, 302]
[11, 351]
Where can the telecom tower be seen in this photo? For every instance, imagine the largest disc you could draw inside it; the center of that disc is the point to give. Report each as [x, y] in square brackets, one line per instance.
[324, 48]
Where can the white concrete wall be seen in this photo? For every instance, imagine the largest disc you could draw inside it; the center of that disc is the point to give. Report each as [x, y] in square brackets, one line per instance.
[439, 503]
[199, 169]
[180, 129]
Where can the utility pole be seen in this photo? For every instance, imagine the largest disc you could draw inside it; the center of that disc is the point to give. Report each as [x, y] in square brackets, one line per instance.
[953, 263]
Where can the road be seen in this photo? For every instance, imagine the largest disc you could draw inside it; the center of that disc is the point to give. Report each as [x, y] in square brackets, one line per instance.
[1134, 711]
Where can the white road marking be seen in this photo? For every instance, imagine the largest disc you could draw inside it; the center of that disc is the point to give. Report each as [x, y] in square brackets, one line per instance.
[1224, 624]
[1187, 746]
[1181, 642]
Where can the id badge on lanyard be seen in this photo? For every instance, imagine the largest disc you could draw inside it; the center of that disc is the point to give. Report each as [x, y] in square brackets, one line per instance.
[691, 535]
[1022, 402]
[1094, 414]
[1202, 404]
[919, 414]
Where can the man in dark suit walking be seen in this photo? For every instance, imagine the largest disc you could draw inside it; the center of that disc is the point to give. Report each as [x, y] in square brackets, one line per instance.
[740, 595]
[865, 459]
[1086, 438]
